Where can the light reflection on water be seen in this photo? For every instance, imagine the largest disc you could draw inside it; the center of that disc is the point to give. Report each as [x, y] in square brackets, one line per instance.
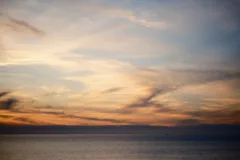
[112, 147]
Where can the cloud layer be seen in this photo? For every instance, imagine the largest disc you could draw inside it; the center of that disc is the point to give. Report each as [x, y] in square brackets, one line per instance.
[111, 63]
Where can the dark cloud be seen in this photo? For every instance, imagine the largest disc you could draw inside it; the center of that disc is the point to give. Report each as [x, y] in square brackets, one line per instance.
[228, 115]
[165, 108]
[5, 116]
[146, 101]
[49, 107]
[217, 116]
[8, 104]
[19, 25]
[15, 25]
[4, 93]
[61, 114]
[195, 76]
[28, 120]
[188, 122]
[38, 112]
[147, 69]
[52, 112]
[94, 119]
[23, 119]
[111, 90]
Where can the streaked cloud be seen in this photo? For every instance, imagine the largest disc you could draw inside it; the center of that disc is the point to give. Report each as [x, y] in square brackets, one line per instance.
[15, 25]
[111, 90]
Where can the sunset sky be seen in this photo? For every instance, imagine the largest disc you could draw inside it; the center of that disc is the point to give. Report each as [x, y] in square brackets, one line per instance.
[119, 62]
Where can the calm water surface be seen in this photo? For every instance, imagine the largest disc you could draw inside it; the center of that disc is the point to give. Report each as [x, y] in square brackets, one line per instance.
[112, 147]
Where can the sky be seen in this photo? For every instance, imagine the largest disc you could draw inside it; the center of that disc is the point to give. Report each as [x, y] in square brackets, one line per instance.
[128, 62]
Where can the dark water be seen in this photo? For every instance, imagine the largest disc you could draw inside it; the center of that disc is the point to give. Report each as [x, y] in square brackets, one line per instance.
[112, 147]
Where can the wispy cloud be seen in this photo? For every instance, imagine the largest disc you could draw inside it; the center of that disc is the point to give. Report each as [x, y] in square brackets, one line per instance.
[16, 25]
[28, 121]
[97, 119]
[111, 90]
[146, 101]
[130, 16]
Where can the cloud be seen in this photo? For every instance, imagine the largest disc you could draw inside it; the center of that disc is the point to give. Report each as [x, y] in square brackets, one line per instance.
[130, 16]
[5, 116]
[173, 80]
[9, 27]
[145, 101]
[7, 103]
[63, 115]
[16, 25]
[117, 12]
[69, 38]
[30, 121]
[150, 24]
[227, 114]
[14, 100]
[173, 116]
[96, 119]
[220, 116]
[3, 93]
[60, 113]
[51, 112]
[159, 83]
[188, 122]
[106, 40]
[173, 83]
[186, 116]
[51, 90]
[111, 90]
[57, 111]
[223, 100]
[196, 76]
[48, 107]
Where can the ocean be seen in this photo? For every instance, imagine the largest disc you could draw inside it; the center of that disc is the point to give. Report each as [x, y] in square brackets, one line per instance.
[113, 147]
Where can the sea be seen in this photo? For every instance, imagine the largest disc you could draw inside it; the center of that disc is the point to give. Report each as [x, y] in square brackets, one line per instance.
[113, 147]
